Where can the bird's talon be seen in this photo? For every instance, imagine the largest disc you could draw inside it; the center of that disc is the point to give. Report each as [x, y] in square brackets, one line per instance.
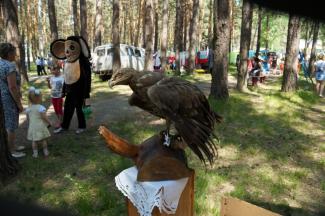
[167, 140]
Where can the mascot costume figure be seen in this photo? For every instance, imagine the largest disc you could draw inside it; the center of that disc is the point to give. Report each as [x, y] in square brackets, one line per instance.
[77, 78]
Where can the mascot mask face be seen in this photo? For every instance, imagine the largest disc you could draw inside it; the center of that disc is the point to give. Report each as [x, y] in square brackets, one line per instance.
[71, 49]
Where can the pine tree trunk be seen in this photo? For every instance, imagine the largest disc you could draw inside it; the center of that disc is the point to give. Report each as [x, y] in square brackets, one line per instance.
[144, 24]
[116, 35]
[98, 27]
[219, 85]
[245, 39]
[156, 38]
[10, 16]
[52, 19]
[313, 48]
[44, 26]
[187, 16]
[192, 34]
[306, 38]
[22, 42]
[200, 24]
[28, 44]
[215, 20]
[148, 65]
[267, 31]
[35, 37]
[75, 17]
[124, 9]
[259, 31]
[164, 34]
[231, 24]
[289, 82]
[178, 34]
[138, 27]
[211, 9]
[83, 19]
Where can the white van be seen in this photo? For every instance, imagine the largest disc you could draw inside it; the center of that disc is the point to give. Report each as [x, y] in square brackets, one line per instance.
[102, 59]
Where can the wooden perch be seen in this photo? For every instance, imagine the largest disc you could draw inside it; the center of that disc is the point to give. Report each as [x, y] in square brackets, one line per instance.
[118, 145]
[155, 162]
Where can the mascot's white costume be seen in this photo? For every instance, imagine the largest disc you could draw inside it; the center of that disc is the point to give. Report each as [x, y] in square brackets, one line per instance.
[77, 77]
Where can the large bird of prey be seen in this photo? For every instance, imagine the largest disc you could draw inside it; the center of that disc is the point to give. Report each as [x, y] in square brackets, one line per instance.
[179, 102]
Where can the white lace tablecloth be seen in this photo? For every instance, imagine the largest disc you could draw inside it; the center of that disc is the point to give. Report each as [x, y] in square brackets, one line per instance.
[146, 195]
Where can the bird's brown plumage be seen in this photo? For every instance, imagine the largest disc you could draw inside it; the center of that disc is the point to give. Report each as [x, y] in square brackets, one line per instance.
[176, 100]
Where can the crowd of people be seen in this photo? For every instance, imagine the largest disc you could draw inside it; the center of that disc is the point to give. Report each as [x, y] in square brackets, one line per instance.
[38, 121]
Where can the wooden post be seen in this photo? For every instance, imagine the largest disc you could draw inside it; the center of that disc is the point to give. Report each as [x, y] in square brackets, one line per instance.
[185, 205]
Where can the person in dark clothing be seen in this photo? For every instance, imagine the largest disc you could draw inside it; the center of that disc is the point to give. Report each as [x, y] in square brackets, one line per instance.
[256, 70]
[77, 78]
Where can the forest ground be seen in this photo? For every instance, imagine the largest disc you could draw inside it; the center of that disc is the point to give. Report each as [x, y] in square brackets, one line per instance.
[271, 153]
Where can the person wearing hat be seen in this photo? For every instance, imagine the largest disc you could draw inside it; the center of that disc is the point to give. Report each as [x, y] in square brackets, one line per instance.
[320, 74]
[10, 95]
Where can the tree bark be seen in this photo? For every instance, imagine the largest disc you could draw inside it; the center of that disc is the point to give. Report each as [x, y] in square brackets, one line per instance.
[178, 35]
[267, 31]
[52, 19]
[219, 84]
[144, 24]
[148, 65]
[289, 82]
[156, 38]
[192, 34]
[34, 29]
[215, 20]
[200, 24]
[116, 35]
[28, 37]
[231, 24]
[124, 11]
[10, 15]
[259, 31]
[44, 26]
[83, 19]
[187, 17]
[211, 9]
[98, 27]
[137, 36]
[22, 42]
[313, 48]
[164, 34]
[245, 39]
[75, 17]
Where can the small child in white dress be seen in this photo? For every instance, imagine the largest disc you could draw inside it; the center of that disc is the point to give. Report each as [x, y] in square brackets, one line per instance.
[38, 122]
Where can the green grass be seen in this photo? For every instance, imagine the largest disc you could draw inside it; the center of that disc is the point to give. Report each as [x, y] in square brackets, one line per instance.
[271, 153]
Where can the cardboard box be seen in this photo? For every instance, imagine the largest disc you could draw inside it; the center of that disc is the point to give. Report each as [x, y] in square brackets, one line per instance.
[235, 207]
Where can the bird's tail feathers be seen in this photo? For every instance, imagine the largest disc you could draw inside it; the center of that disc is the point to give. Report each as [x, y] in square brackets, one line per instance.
[198, 137]
[218, 118]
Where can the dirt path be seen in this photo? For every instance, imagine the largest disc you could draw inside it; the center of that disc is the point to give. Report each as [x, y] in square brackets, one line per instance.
[109, 107]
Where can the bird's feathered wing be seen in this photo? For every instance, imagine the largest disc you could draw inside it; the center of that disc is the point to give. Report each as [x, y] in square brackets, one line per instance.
[185, 105]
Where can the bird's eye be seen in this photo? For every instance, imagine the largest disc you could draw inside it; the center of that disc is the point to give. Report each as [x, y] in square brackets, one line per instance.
[72, 47]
